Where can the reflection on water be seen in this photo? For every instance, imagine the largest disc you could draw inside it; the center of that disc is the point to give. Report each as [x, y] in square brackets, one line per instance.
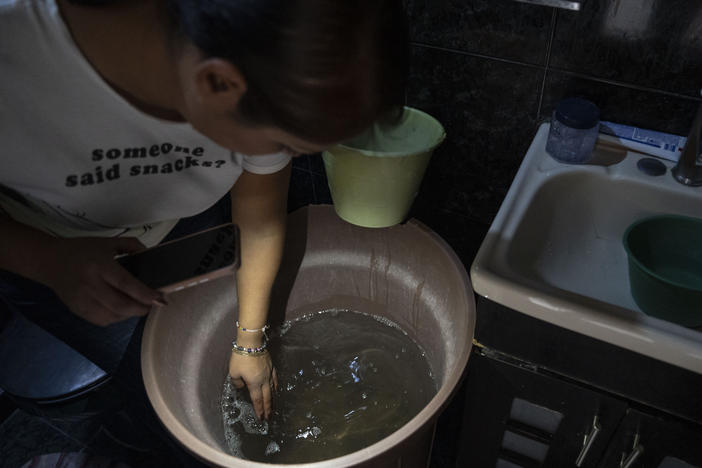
[346, 380]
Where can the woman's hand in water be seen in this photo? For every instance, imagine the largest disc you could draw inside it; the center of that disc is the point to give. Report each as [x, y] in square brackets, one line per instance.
[258, 375]
[85, 276]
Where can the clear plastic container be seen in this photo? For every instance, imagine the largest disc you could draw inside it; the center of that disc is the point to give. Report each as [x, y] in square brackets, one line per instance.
[574, 129]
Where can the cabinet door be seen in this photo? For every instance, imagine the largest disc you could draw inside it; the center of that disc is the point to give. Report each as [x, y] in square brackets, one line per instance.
[653, 441]
[515, 416]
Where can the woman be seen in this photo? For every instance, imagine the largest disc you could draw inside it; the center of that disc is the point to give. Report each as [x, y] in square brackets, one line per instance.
[121, 118]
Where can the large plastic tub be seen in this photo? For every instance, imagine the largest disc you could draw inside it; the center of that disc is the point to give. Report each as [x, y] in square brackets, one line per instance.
[406, 273]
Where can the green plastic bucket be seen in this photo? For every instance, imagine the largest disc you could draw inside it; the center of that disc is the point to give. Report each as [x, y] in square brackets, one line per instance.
[665, 267]
[374, 177]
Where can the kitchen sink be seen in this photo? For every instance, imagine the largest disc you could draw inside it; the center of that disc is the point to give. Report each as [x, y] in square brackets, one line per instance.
[555, 252]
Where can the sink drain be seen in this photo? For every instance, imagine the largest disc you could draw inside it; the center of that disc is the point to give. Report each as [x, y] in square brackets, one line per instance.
[650, 166]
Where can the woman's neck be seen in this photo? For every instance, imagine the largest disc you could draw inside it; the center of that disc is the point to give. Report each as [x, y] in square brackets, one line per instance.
[128, 44]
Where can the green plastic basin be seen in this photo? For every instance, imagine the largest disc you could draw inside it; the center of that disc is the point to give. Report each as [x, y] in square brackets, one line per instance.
[665, 267]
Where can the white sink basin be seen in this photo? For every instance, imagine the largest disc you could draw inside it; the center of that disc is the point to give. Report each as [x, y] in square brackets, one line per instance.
[554, 250]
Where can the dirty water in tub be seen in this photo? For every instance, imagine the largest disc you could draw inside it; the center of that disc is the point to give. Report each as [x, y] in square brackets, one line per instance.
[345, 381]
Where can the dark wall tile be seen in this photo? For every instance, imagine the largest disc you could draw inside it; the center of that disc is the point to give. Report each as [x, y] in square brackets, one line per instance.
[301, 191]
[608, 52]
[301, 162]
[489, 111]
[316, 163]
[498, 28]
[322, 195]
[461, 233]
[651, 43]
[645, 109]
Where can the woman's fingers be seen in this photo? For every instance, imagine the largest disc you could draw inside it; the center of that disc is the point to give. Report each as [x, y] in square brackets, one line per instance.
[124, 245]
[259, 376]
[238, 382]
[267, 400]
[122, 280]
[121, 305]
[256, 394]
[96, 313]
[274, 379]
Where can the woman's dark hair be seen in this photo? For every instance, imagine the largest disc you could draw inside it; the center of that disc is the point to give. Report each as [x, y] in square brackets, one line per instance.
[322, 70]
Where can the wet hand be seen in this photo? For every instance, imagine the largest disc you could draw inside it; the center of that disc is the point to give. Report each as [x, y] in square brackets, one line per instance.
[258, 375]
[85, 276]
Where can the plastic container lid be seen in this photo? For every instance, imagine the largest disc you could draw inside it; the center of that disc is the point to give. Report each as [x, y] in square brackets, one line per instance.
[577, 113]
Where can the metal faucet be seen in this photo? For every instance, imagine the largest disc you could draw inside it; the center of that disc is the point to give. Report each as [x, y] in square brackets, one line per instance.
[688, 171]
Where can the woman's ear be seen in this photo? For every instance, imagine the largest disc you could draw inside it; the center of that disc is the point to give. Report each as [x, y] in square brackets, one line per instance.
[219, 84]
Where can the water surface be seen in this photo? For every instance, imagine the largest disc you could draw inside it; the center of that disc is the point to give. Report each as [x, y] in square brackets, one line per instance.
[346, 380]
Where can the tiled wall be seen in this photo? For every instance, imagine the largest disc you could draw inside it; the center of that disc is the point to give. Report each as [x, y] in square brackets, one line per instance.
[492, 70]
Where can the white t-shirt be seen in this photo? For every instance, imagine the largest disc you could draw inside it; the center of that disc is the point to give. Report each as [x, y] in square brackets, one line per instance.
[76, 159]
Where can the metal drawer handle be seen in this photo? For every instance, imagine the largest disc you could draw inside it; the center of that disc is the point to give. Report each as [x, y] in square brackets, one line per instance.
[573, 5]
[589, 440]
[636, 452]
